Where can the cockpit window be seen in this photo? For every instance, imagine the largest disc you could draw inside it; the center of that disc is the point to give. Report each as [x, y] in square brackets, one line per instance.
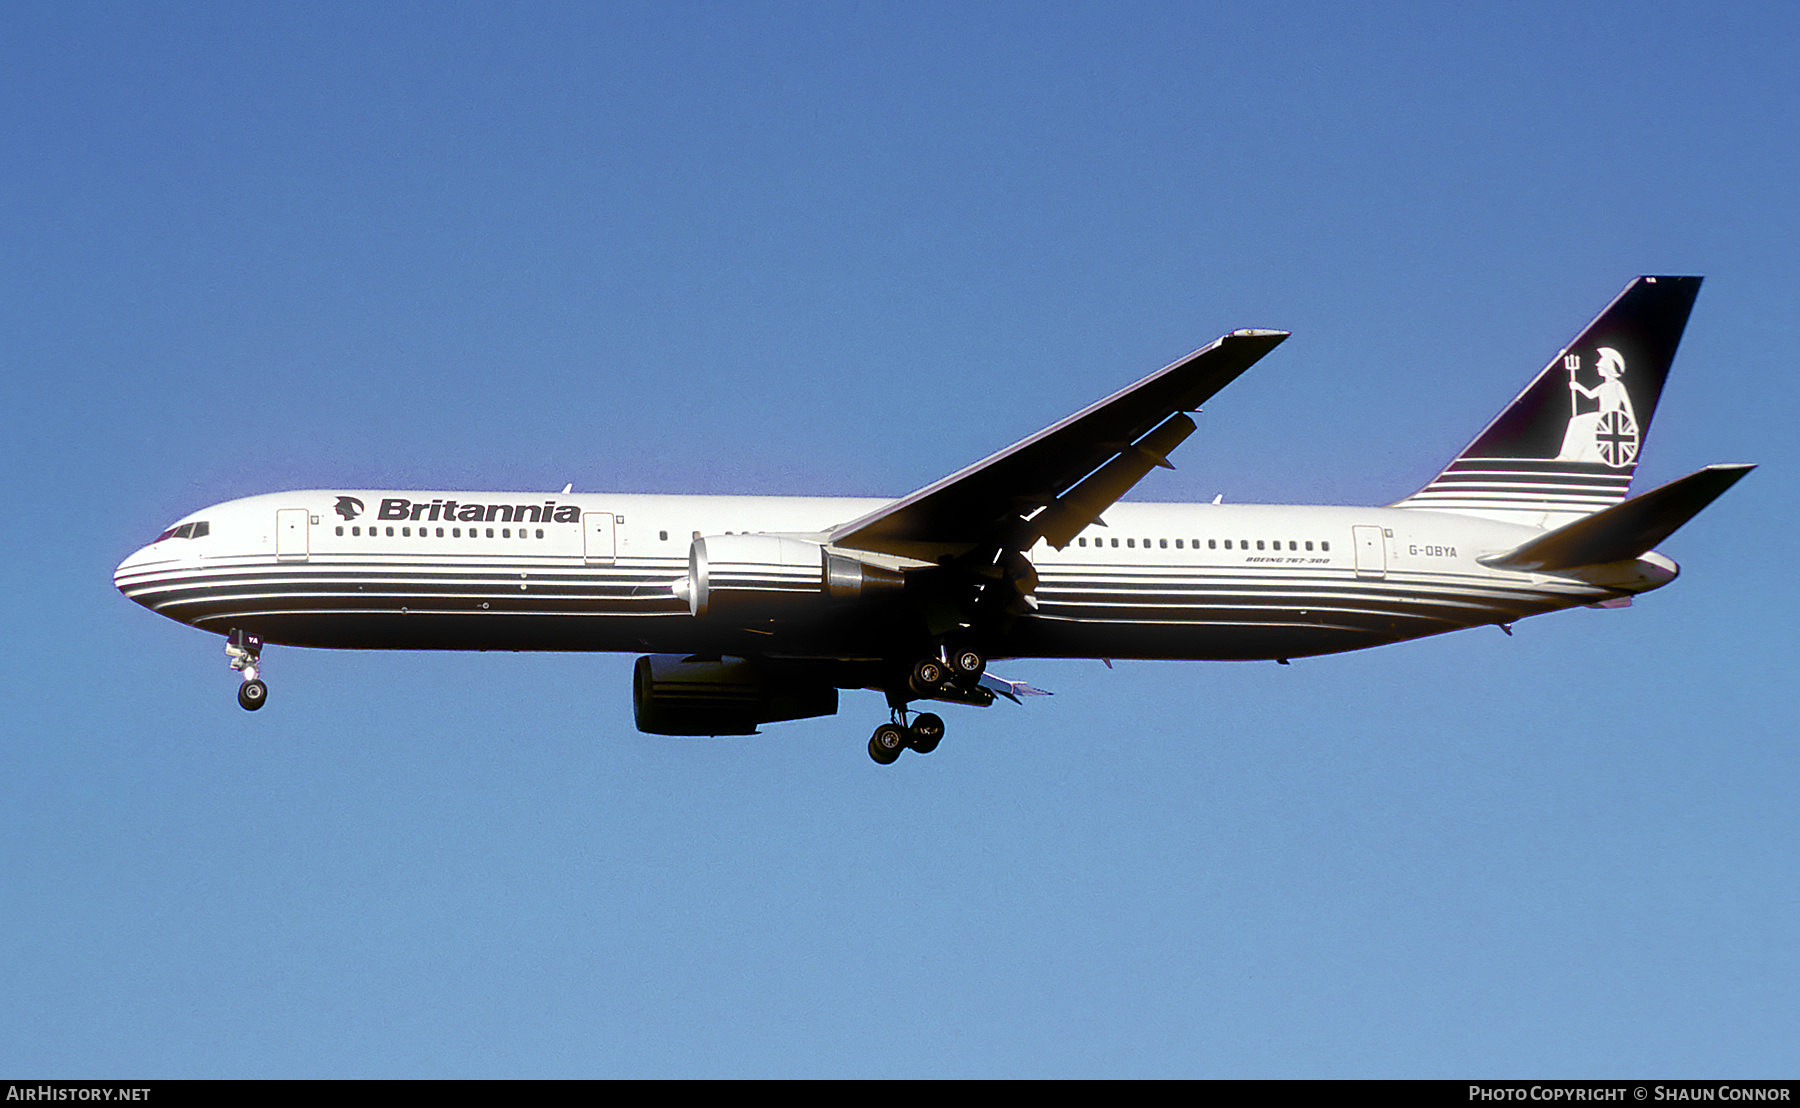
[196, 530]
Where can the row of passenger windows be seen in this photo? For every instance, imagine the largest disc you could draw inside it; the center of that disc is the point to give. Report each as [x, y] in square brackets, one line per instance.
[507, 533]
[1211, 544]
[455, 532]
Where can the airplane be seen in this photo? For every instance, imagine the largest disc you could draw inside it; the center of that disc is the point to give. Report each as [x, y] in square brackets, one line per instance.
[751, 610]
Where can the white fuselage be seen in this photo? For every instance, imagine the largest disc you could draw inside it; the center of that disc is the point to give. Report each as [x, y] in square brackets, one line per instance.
[529, 571]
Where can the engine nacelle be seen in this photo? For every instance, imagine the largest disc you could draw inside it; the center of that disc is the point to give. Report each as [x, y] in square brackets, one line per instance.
[760, 576]
[672, 694]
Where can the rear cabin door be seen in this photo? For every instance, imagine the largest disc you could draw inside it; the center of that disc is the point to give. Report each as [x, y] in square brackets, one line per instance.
[597, 538]
[291, 534]
[1371, 552]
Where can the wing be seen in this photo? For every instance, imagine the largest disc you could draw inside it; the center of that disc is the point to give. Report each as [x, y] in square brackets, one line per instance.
[1059, 480]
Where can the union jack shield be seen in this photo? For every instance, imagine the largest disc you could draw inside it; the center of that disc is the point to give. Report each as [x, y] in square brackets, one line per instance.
[1616, 438]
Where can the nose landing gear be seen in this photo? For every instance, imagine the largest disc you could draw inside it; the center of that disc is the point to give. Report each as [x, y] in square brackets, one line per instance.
[245, 652]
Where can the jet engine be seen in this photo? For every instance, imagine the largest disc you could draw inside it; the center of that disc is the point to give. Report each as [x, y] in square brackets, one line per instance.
[758, 576]
[673, 694]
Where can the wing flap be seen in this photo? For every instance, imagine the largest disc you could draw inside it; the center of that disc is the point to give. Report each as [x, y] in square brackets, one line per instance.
[1074, 510]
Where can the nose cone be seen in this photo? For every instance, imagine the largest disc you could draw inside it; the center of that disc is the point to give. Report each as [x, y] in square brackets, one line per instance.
[126, 569]
[139, 570]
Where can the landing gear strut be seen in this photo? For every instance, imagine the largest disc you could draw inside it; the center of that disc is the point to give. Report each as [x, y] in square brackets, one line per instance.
[245, 652]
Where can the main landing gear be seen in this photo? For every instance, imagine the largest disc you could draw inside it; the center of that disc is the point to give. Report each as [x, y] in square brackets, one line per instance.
[953, 675]
[923, 736]
[953, 672]
[245, 652]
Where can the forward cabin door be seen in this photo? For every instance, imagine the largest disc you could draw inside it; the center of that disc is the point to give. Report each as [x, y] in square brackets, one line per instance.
[291, 534]
[1371, 552]
[597, 538]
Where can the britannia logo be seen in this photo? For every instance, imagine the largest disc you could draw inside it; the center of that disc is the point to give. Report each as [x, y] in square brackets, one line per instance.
[1607, 432]
[349, 507]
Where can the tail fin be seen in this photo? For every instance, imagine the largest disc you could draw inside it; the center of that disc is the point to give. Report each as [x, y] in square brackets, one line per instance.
[1567, 447]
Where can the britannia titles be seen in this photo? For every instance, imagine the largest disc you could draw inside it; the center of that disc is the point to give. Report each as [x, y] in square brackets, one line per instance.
[547, 512]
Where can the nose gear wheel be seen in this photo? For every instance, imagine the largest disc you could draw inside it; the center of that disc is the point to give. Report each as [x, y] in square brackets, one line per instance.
[245, 652]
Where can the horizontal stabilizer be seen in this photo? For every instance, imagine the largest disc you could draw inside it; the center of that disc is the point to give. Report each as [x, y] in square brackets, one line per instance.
[1624, 530]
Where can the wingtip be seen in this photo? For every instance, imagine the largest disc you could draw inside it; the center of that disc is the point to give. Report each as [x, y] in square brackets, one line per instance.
[1732, 470]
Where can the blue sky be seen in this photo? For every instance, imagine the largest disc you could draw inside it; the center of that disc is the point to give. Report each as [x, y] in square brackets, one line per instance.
[846, 249]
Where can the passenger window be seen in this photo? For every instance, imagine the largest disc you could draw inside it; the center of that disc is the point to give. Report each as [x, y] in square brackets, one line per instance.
[1228, 544]
[1162, 544]
[1178, 544]
[663, 536]
[540, 532]
[1115, 543]
[1324, 546]
[340, 529]
[1259, 544]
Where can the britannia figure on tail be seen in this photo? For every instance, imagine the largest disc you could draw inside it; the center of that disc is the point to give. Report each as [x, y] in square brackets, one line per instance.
[1609, 433]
